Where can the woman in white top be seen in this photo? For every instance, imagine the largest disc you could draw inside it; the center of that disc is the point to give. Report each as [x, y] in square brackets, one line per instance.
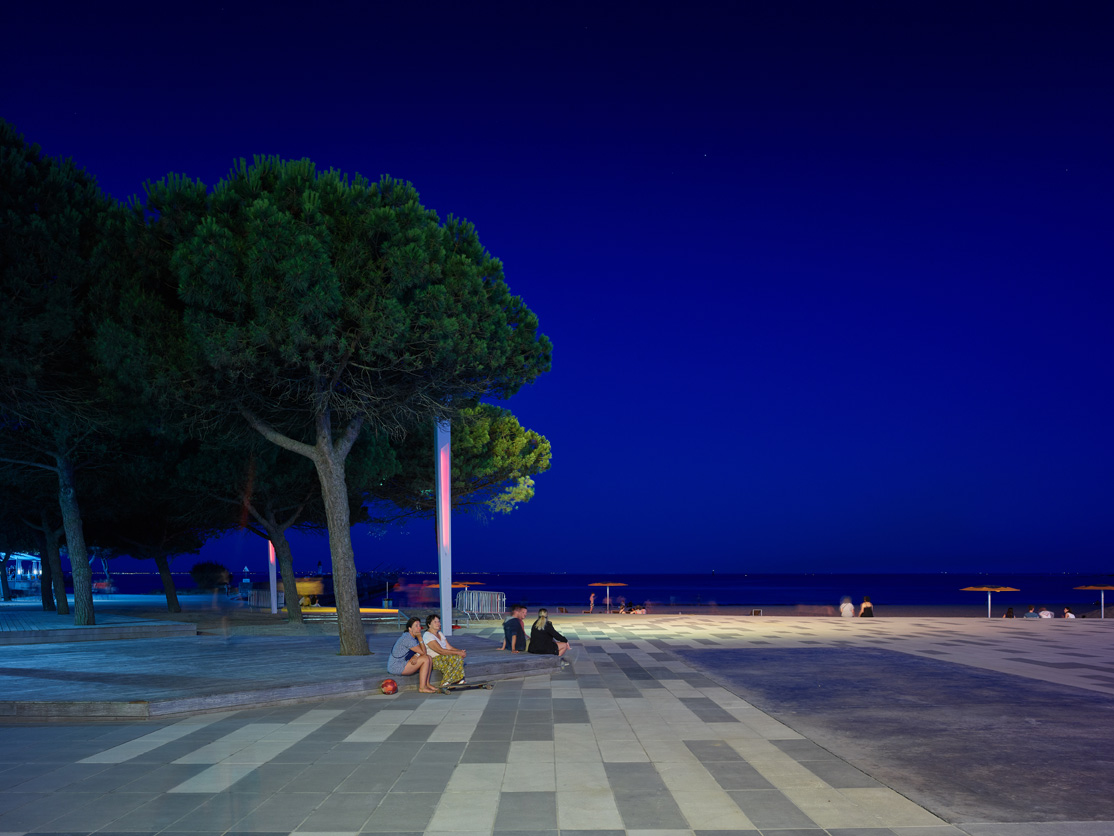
[446, 658]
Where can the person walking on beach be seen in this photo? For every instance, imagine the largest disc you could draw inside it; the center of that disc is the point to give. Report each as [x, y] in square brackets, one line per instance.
[846, 608]
[866, 609]
[591, 602]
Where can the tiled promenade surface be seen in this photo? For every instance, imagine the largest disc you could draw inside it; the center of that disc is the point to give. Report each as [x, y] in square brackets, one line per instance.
[646, 734]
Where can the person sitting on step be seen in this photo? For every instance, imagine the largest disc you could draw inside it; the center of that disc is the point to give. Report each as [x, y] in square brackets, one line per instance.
[409, 656]
[446, 658]
[544, 638]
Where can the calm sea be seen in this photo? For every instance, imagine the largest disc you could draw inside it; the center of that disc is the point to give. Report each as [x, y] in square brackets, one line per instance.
[732, 590]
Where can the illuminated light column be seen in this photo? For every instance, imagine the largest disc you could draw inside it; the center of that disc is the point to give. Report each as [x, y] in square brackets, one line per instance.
[271, 562]
[443, 472]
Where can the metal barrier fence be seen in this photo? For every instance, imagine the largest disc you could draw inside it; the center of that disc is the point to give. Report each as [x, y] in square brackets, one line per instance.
[481, 604]
[261, 599]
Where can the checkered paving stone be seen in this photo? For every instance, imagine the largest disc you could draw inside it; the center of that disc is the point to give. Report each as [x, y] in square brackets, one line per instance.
[629, 740]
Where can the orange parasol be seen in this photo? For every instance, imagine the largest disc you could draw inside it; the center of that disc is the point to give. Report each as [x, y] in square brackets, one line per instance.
[1102, 596]
[988, 590]
[608, 584]
[457, 584]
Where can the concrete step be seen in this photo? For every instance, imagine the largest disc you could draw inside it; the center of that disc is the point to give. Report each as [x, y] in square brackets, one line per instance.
[98, 632]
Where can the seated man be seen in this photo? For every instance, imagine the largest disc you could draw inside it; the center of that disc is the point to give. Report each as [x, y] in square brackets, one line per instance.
[1032, 613]
[1045, 613]
[514, 630]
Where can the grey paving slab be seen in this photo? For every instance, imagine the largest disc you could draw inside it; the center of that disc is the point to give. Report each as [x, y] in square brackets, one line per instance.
[343, 812]
[281, 813]
[713, 751]
[402, 811]
[219, 813]
[377, 777]
[100, 812]
[34, 814]
[492, 732]
[11, 800]
[536, 731]
[529, 812]
[839, 774]
[485, 751]
[411, 733]
[649, 809]
[323, 777]
[738, 776]
[771, 810]
[438, 753]
[160, 812]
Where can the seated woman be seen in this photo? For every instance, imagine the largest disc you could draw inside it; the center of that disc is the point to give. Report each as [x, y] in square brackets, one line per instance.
[545, 639]
[409, 656]
[446, 658]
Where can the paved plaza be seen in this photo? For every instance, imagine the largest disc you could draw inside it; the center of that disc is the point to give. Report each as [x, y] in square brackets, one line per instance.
[663, 726]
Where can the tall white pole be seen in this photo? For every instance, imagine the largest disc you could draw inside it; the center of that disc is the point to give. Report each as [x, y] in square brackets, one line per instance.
[271, 564]
[443, 472]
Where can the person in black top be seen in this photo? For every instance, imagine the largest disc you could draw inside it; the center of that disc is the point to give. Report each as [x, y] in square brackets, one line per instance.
[544, 638]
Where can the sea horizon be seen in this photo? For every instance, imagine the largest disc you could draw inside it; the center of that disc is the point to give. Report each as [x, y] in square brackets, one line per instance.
[756, 589]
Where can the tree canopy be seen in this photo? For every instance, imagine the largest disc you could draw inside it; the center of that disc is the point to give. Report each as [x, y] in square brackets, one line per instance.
[494, 461]
[316, 308]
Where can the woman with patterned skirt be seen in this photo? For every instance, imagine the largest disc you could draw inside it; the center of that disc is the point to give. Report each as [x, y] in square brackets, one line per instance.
[446, 658]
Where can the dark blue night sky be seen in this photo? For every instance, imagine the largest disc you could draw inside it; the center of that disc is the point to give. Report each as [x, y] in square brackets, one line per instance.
[829, 283]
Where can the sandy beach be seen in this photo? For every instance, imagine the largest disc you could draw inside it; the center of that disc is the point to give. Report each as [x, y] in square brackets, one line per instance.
[199, 609]
[881, 611]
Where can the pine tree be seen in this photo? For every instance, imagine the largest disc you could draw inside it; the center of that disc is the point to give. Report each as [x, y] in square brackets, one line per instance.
[51, 417]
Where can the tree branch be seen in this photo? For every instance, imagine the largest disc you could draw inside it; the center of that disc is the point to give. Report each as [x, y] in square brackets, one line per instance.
[351, 433]
[30, 464]
[275, 437]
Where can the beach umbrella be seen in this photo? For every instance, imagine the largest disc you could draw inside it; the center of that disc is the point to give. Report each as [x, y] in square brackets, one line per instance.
[608, 584]
[1102, 596]
[988, 590]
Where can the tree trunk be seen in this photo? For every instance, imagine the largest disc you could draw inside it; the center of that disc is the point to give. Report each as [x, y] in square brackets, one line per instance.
[46, 585]
[172, 604]
[289, 582]
[5, 590]
[75, 545]
[54, 559]
[328, 458]
[334, 490]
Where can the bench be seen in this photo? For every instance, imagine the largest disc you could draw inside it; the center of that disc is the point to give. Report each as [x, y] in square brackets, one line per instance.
[368, 615]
